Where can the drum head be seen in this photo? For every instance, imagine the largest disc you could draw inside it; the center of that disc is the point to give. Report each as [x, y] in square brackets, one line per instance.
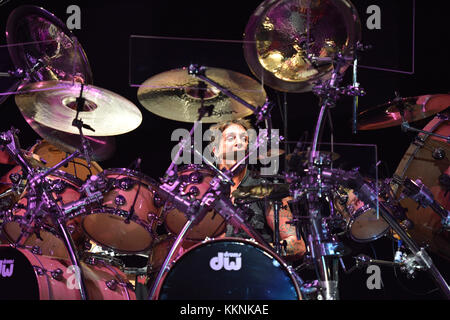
[228, 270]
[368, 226]
[17, 277]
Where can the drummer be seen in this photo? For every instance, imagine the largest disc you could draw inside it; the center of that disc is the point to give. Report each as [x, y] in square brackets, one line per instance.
[236, 139]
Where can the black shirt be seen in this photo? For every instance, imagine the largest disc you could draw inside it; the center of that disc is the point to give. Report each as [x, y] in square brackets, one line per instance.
[257, 217]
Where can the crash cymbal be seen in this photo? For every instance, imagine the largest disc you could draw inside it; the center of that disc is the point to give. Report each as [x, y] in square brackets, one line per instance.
[414, 108]
[268, 190]
[34, 34]
[281, 36]
[103, 148]
[53, 104]
[304, 155]
[176, 95]
[271, 154]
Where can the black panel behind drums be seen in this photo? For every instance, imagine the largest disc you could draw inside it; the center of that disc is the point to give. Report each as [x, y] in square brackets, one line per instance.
[229, 269]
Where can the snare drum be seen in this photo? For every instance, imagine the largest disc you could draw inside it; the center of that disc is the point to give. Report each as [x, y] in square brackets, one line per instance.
[27, 276]
[65, 187]
[364, 223]
[229, 269]
[114, 225]
[195, 181]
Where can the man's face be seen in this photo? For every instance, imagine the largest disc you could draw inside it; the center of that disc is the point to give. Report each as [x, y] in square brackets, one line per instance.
[234, 140]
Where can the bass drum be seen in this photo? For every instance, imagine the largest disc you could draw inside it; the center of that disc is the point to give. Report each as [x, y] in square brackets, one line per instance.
[229, 269]
[26, 276]
[427, 159]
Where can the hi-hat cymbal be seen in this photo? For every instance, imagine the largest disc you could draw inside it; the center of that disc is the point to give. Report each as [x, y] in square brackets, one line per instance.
[268, 191]
[176, 95]
[283, 38]
[34, 34]
[53, 104]
[414, 108]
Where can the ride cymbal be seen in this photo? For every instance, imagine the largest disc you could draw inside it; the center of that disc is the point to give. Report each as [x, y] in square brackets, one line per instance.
[413, 108]
[54, 103]
[176, 95]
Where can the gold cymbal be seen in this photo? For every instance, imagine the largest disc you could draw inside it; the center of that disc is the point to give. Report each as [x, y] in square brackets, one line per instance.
[415, 109]
[271, 154]
[176, 95]
[53, 104]
[269, 190]
[290, 44]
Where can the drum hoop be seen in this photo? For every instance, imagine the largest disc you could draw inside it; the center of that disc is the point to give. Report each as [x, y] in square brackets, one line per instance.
[196, 167]
[251, 242]
[130, 173]
[376, 237]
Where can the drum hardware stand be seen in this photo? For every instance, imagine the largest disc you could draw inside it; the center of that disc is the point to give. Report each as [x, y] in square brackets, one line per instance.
[21, 76]
[38, 196]
[406, 127]
[78, 123]
[321, 245]
[420, 193]
[420, 260]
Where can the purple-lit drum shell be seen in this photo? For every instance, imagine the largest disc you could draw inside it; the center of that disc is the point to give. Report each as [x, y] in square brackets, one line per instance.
[36, 277]
[52, 244]
[108, 225]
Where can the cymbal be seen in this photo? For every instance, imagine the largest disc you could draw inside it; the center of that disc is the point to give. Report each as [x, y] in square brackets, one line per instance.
[415, 109]
[53, 104]
[268, 190]
[271, 154]
[281, 35]
[305, 155]
[103, 148]
[34, 34]
[175, 95]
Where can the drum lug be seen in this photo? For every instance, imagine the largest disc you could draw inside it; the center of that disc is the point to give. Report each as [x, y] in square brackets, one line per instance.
[125, 184]
[111, 284]
[120, 200]
[151, 217]
[57, 274]
[36, 250]
[157, 201]
[39, 270]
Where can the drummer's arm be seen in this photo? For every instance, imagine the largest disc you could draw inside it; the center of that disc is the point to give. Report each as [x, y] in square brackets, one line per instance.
[287, 231]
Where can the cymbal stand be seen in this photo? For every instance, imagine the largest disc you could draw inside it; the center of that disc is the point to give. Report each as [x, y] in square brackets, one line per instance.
[78, 123]
[41, 202]
[406, 127]
[21, 76]
[322, 246]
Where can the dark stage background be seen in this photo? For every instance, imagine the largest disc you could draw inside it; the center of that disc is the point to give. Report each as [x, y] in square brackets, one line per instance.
[106, 27]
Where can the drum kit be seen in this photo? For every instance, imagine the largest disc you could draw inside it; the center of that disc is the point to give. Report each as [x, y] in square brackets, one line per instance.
[68, 226]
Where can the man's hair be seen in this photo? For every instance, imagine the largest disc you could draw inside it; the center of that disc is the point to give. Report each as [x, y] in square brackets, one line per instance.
[222, 126]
